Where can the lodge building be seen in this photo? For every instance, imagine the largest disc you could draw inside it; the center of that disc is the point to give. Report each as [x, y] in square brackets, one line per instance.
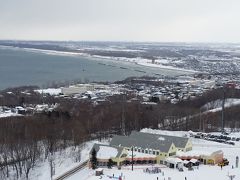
[147, 148]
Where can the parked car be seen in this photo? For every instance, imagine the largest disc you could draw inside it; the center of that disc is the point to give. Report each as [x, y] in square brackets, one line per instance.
[230, 142]
[197, 136]
[180, 169]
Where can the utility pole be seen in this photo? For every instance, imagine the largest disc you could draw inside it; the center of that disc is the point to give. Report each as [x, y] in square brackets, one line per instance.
[132, 158]
[42, 97]
[203, 126]
[223, 107]
[123, 115]
[200, 119]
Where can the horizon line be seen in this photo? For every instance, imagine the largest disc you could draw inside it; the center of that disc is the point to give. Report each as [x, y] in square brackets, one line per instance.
[124, 41]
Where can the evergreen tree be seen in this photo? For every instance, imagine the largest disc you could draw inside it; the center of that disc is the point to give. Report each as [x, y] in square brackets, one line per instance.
[110, 163]
[93, 159]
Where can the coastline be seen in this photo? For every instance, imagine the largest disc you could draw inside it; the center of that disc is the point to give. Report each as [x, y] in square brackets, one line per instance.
[120, 60]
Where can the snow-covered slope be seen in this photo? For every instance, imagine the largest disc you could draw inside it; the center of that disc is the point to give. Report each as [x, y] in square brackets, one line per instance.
[204, 172]
[215, 106]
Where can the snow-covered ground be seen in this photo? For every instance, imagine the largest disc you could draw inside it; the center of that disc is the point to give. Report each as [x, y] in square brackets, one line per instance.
[215, 106]
[8, 114]
[205, 172]
[20, 111]
[161, 65]
[63, 161]
[51, 91]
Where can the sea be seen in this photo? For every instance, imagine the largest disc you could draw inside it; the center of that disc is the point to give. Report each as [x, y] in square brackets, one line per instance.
[20, 67]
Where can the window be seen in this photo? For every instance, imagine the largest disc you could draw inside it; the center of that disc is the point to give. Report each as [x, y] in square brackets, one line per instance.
[139, 150]
[146, 151]
[123, 155]
[142, 150]
[154, 152]
[173, 153]
[157, 153]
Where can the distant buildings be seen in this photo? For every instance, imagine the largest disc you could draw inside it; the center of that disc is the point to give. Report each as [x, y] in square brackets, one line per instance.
[81, 88]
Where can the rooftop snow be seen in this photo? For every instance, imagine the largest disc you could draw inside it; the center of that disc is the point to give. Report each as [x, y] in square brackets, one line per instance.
[106, 152]
[161, 138]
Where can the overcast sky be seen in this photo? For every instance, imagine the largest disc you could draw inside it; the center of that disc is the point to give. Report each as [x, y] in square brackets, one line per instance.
[121, 20]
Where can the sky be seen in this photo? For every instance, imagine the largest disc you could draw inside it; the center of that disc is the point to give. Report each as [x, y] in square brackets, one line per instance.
[121, 20]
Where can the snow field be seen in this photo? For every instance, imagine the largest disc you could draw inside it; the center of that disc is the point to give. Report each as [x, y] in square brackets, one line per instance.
[204, 172]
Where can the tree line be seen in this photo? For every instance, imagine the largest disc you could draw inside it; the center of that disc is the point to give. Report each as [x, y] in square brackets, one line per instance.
[25, 140]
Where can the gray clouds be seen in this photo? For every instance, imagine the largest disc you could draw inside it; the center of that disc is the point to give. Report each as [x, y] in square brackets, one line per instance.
[124, 20]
